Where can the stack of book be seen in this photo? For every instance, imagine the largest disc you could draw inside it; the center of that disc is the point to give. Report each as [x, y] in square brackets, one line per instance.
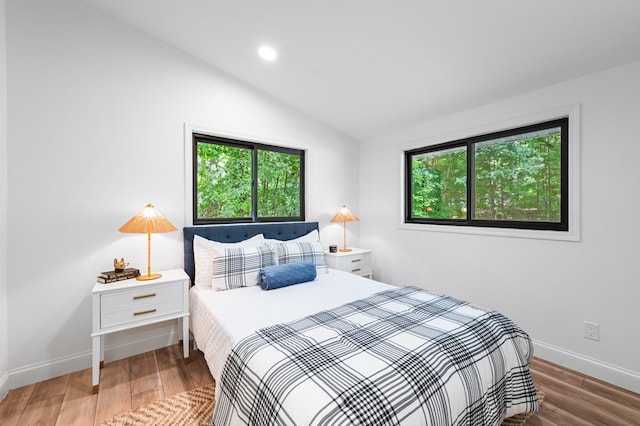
[113, 276]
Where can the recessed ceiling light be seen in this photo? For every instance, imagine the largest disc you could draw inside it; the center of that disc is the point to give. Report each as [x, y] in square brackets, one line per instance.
[267, 53]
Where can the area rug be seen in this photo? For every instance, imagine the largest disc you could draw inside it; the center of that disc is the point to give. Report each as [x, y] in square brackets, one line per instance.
[195, 408]
[191, 408]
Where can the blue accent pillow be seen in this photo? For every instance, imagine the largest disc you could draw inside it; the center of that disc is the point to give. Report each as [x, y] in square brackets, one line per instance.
[277, 276]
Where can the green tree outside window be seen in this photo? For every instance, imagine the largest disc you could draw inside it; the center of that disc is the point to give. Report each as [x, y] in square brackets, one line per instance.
[238, 181]
[515, 178]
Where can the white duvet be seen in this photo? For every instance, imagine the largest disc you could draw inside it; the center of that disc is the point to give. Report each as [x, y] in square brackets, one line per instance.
[219, 319]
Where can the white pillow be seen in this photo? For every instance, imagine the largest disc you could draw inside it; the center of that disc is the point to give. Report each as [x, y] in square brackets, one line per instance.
[203, 251]
[311, 237]
[239, 266]
[292, 252]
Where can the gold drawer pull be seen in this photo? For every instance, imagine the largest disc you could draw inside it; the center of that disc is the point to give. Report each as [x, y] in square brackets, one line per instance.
[144, 297]
[355, 270]
[144, 312]
[356, 260]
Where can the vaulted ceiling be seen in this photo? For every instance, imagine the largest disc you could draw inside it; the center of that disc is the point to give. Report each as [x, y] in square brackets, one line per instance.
[366, 67]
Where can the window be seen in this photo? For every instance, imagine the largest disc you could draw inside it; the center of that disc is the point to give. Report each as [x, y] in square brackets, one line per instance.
[516, 178]
[240, 181]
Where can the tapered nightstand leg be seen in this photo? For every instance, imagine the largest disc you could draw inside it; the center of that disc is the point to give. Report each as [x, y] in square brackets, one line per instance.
[185, 338]
[95, 365]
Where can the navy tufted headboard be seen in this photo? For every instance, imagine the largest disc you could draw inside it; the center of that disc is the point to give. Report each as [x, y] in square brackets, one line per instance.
[238, 232]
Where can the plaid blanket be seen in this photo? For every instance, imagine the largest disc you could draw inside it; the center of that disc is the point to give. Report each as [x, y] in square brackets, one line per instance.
[402, 356]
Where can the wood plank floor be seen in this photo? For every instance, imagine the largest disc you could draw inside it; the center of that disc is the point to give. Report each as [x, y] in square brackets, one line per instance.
[575, 399]
[571, 398]
[124, 384]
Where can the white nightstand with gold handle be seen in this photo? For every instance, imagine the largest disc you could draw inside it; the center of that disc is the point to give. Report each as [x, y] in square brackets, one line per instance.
[123, 305]
[357, 261]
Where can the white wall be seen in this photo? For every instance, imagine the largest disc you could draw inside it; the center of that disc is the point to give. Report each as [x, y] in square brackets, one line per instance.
[95, 119]
[96, 112]
[4, 377]
[548, 287]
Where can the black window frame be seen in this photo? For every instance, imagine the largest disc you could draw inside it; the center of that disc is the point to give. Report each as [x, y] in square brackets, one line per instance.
[469, 143]
[255, 147]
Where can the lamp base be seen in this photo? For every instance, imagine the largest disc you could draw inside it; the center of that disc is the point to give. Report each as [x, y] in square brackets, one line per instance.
[344, 249]
[147, 277]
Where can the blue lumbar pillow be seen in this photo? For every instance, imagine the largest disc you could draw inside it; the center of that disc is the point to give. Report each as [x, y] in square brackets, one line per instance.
[278, 276]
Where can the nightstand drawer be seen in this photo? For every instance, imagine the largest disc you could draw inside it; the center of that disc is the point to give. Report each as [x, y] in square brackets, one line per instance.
[355, 263]
[132, 314]
[127, 307]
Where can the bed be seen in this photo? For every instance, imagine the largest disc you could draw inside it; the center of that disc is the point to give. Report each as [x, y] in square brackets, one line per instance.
[343, 349]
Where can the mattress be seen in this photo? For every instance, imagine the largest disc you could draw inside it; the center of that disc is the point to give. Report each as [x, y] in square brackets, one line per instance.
[220, 319]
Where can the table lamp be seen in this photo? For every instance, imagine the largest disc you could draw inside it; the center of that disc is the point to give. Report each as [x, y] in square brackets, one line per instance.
[148, 221]
[344, 215]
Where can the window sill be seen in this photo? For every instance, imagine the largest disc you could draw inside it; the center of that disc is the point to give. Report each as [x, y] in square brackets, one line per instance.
[571, 235]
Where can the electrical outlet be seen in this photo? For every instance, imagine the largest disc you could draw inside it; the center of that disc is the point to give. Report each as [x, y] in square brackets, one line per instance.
[591, 331]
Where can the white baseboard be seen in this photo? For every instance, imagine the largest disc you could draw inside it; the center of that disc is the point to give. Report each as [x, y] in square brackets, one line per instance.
[609, 373]
[58, 367]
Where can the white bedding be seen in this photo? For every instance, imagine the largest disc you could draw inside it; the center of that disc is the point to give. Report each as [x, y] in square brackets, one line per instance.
[219, 319]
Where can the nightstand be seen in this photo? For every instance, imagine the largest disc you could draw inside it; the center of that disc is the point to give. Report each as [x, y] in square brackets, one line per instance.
[357, 261]
[127, 304]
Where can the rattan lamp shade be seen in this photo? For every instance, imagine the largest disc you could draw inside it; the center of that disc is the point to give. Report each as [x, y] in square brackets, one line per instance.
[148, 221]
[345, 215]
